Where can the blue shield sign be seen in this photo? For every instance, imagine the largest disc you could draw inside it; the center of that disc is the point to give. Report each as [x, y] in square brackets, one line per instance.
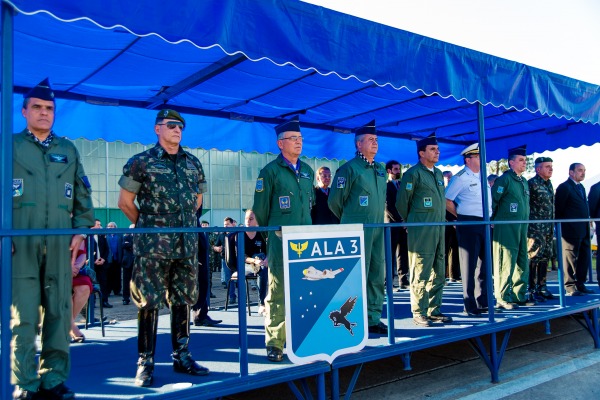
[325, 291]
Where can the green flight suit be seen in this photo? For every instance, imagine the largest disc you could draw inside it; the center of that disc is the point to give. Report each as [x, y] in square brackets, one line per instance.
[421, 199]
[49, 184]
[357, 195]
[510, 202]
[281, 197]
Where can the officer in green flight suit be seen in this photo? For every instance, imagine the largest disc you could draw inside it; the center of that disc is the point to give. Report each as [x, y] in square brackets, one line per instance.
[358, 196]
[510, 202]
[50, 191]
[283, 196]
[421, 199]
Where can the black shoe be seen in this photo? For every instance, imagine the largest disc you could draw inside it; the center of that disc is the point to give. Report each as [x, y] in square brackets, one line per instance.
[379, 329]
[526, 303]
[274, 354]
[233, 301]
[545, 293]
[575, 293]
[441, 318]
[145, 370]
[212, 295]
[585, 290]
[403, 286]
[208, 321]
[184, 363]
[474, 313]
[537, 297]
[22, 394]
[106, 304]
[421, 320]
[58, 392]
[126, 302]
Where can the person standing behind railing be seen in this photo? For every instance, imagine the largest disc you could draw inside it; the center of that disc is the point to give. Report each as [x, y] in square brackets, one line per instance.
[50, 191]
[283, 196]
[594, 202]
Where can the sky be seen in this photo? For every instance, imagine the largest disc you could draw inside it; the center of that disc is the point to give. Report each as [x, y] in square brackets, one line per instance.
[555, 35]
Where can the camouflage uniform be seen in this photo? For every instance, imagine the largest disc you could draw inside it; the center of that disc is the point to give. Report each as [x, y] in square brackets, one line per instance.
[214, 258]
[540, 236]
[165, 263]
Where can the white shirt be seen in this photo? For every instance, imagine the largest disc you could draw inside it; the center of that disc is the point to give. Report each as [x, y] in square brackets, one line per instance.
[465, 190]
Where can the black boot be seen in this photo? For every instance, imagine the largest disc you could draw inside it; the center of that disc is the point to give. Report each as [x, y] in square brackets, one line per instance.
[147, 325]
[180, 337]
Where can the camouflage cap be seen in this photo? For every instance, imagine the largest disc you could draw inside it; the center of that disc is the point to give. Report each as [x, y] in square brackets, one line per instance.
[169, 114]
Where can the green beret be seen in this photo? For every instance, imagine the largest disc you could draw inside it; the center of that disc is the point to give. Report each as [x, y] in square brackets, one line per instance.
[169, 114]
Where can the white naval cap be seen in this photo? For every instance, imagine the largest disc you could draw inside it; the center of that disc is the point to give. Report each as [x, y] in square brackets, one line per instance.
[470, 150]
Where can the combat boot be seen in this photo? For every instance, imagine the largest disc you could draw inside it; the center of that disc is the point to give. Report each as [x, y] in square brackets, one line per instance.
[147, 326]
[180, 337]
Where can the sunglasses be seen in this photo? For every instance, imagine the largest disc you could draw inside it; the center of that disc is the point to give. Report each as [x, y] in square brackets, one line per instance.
[172, 125]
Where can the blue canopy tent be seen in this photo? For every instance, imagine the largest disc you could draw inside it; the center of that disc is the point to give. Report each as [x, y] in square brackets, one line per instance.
[237, 67]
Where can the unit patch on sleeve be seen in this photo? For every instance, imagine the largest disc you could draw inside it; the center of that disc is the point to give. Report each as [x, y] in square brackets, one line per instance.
[409, 186]
[500, 189]
[341, 182]
[259, 185]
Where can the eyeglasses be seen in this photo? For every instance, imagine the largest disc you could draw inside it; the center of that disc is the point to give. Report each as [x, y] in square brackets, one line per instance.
[293, 138]
[172, 125]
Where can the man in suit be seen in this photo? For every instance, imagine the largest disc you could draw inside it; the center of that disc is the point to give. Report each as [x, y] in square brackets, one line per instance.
[115, 257]
[200, 309]
[100, 251]
[594, 202]
[453, 272]
[320, 213]
[398, 235]
[571, 203]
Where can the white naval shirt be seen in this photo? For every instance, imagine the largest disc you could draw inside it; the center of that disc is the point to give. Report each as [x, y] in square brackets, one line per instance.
[465, 190]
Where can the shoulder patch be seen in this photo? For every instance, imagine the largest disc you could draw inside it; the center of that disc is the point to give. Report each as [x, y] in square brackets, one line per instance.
[86, 182]
[409, 186]
[341, 182]
[259, 185]
[500, 189]
[17, 187]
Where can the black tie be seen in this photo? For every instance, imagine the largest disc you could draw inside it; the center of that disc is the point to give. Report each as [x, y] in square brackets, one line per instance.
[581, 190]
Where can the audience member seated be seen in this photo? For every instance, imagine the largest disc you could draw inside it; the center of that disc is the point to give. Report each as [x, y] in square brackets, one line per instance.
[82, 288]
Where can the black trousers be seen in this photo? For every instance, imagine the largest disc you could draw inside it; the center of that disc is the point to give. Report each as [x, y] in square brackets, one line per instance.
[399, 243]
[471, 250]
[453, 270]
[200, 309]
[127, 271]
[576, 261]
[114, 277]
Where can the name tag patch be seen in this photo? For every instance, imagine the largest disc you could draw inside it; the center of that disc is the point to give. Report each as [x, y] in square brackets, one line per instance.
[341, 182]
[284, 202]
[259, 185]
[17, 187]
[69, 191]
[514, 207]
[58, 158]
[427, 202]
[363, 201]
[304, 175]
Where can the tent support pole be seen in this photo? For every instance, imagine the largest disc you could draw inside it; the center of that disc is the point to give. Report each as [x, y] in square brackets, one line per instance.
[6, 160]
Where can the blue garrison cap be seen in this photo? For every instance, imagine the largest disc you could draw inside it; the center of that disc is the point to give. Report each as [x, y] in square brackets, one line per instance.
[518, 151]
[292, 125]
[41, 91]
[368, 128]
[429, 140]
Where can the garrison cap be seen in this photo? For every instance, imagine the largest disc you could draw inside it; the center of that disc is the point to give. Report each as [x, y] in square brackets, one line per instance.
[540, 160]
[41, 91]
[169, 114]
[368, 128]
[518, 151]
[470, 150]
[291, 125]
[429, 140]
